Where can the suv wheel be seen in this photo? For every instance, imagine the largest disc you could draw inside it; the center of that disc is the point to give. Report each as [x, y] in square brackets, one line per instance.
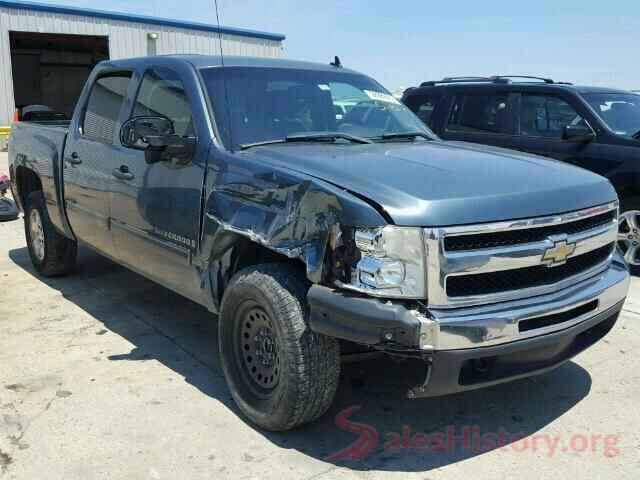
[280, 373]
[51, 253]
[629, 233]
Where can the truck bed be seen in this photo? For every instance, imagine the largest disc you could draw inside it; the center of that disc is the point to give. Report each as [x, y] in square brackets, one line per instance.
[39, 146]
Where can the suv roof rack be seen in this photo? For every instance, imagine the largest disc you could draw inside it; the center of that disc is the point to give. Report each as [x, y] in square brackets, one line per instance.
[506, 78]
[492, 79]
[431, 83]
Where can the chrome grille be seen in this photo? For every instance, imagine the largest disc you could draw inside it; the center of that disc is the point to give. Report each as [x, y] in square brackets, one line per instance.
[505, 280]
[515, 237]
[488, 263]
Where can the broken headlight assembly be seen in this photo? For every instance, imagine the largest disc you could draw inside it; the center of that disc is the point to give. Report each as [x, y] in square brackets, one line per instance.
[391, 263]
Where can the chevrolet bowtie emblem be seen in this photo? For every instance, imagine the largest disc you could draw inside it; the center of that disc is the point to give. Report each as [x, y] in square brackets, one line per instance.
[558, 254]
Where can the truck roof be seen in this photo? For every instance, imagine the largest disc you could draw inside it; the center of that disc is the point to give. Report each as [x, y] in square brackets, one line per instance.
[207, 61]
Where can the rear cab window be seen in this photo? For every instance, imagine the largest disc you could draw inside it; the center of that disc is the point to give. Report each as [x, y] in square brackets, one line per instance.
[103, 106]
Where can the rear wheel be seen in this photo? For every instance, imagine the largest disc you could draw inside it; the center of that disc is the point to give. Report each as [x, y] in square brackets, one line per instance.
[51, 253]
[280, 373]
[629, 233]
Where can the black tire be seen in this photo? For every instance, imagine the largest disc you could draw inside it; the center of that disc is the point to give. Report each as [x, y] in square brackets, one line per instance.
[626, 205]
[306, 365]
[8, 210]
[59, 252]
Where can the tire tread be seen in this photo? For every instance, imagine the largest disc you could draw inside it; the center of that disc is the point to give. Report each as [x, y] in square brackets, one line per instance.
[314, 359]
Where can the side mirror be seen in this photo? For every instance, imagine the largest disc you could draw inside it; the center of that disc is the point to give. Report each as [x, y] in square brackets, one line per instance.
[147, 132]
[157, 137]
[578, 134]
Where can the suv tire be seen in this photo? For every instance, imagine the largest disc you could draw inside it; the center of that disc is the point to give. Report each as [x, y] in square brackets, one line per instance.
[629, 233]
[280, 373]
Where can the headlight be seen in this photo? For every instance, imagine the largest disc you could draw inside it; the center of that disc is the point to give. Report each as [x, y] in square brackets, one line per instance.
[392, 262]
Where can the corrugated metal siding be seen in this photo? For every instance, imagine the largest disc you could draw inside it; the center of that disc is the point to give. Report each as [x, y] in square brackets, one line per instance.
[126, 39]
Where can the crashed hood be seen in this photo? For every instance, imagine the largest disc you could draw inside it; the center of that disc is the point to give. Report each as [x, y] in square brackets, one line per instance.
[445, 183]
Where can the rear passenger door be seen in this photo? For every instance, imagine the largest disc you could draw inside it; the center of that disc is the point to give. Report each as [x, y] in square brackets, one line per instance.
[90, 157]
[481, 117]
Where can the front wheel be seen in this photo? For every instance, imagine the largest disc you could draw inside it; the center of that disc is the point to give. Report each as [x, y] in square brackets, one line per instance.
[629, 233]
[280, 373]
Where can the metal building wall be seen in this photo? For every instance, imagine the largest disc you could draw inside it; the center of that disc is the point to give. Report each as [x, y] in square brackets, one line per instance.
[126, 39]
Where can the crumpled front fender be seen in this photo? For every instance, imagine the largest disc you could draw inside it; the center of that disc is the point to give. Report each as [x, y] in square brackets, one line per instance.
[289, 213]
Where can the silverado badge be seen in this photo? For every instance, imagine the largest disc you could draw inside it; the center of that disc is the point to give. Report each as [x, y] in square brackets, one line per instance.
[558, 254]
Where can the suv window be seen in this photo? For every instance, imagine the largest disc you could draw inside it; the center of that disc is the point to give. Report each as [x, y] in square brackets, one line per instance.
[423, 106]
[162, 94]
[103, 106]
[546, 116]
[425, 111]
[479, 113]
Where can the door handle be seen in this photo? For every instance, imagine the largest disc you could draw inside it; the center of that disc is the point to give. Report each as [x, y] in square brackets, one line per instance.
[74, 159]
[123, 173]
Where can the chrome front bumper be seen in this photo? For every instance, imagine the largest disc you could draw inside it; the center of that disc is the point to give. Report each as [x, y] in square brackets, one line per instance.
[490, 325]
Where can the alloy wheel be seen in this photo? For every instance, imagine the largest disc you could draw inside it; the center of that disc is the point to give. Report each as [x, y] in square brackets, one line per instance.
[629, 236]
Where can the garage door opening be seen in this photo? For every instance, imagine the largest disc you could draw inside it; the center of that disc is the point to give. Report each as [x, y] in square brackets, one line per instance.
[51, 69]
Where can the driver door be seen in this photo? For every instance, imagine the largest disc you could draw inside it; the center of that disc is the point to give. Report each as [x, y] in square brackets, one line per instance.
[542, 120]
[156, 201]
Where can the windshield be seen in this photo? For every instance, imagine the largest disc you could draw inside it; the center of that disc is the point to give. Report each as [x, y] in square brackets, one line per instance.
[620, 111]
[274, 103]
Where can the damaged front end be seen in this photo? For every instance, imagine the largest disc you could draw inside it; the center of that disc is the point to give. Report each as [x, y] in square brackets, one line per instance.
[401, 329]
[350, 252]
[257, 212]
[369, 279]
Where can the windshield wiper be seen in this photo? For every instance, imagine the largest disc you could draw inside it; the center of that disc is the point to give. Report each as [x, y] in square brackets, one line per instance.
[636, 135]
[403, 135]
[328, 137]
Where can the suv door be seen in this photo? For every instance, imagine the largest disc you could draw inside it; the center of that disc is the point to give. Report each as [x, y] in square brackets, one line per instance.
[156, 207]
[90, 157]
[542, 120]
[481, 117]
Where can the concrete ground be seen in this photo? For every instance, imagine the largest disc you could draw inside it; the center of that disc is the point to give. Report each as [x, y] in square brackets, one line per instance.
[104, 374]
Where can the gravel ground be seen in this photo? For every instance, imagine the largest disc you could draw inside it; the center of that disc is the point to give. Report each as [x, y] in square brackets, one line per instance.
[104, 374]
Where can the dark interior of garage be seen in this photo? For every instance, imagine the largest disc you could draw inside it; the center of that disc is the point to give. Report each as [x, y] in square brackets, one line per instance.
[51, 69]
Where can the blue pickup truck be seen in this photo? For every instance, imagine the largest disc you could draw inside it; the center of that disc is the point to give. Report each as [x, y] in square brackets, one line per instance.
[247, 186]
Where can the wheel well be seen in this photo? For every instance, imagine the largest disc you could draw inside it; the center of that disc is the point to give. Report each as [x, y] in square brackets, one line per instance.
[27, 182]
[246, 254]
[632, 201]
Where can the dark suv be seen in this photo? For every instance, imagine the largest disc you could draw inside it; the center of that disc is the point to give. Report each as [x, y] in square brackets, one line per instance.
[594, 128]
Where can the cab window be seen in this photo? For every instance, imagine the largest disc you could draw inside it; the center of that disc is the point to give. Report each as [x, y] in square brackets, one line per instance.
[162, 94]
[103, 106]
